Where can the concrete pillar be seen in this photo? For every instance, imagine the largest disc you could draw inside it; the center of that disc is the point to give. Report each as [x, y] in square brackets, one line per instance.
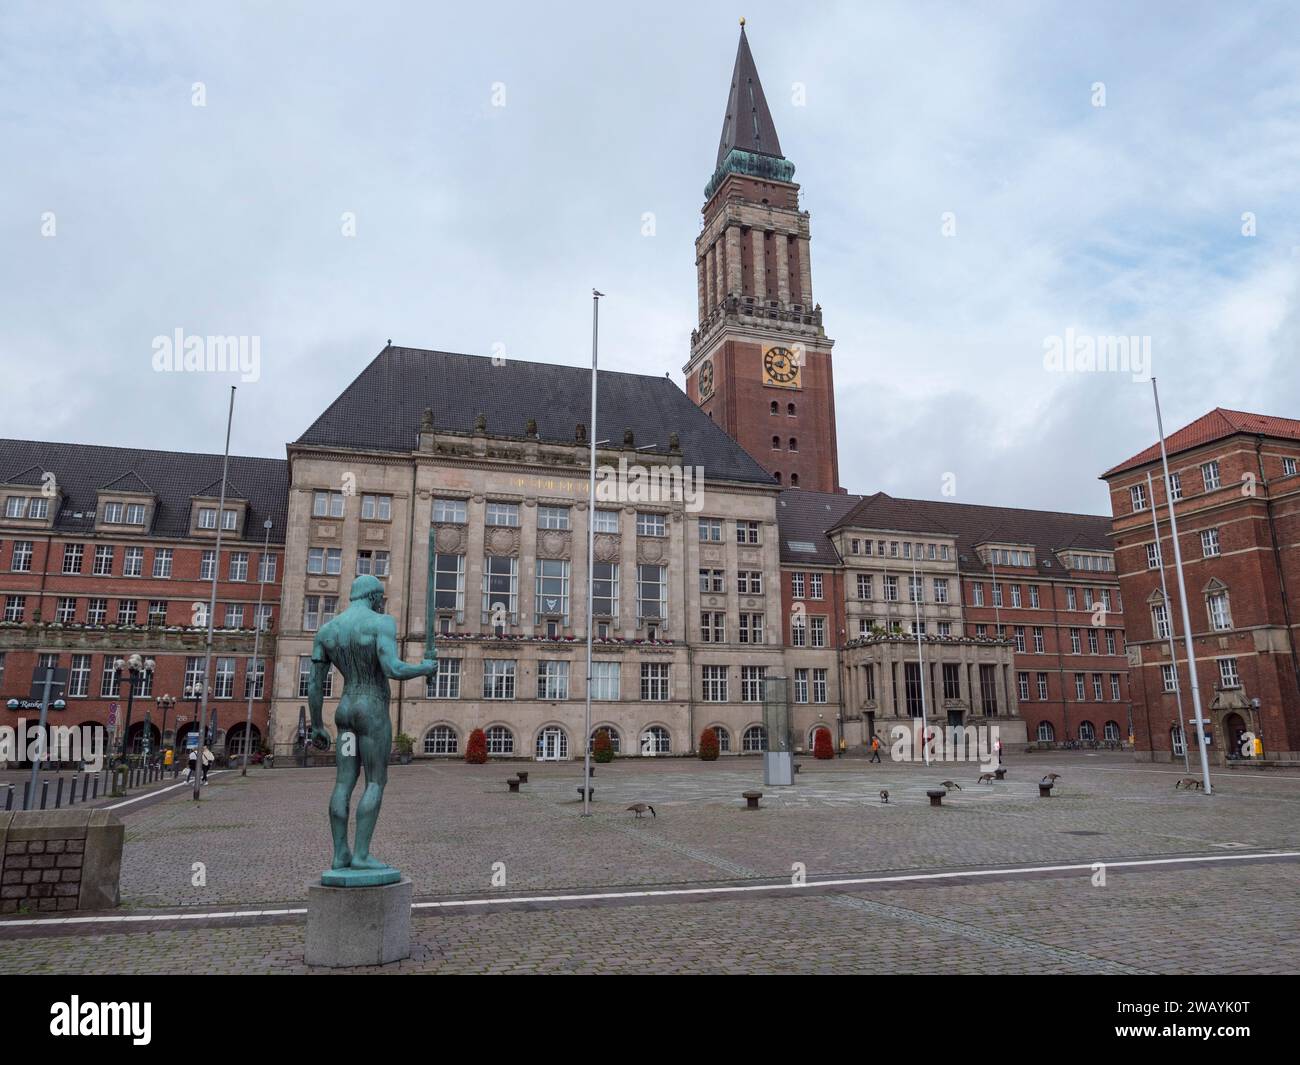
[779, 250]
[760, 267]
[734, 284]
[805, 272]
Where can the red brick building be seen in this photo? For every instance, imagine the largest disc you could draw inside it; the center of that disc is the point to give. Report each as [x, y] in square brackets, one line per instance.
[1237, 499]
[107, 553]
[760, 363]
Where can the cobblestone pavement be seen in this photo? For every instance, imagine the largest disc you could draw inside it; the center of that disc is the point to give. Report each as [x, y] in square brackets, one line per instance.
[260, 839]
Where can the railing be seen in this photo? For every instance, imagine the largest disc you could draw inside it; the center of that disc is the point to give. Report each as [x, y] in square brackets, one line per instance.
[76, 787]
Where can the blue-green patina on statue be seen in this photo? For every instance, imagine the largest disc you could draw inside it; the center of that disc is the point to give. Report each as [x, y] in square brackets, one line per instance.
[361, 643]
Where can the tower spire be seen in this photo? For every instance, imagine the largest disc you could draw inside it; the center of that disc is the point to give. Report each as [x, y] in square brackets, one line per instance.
[748, 123]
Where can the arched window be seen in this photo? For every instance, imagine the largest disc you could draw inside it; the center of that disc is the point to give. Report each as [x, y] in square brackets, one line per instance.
[552, 744]
[500, 740]
[1111, 730]
[794, 480]
[776, 443]
[775, 409]
[441, 739]
[724, 738]
[754, 739]
[655, 740]
[615, 740]
[1086, 732]
[789, 410]
[794, 444]
[812, 735]
[1046, 734]
[777, 475]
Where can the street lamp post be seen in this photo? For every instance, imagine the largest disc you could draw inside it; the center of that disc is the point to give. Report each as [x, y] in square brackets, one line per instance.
[257, 637]
[196, 692]
[165, 703]
[129, 670]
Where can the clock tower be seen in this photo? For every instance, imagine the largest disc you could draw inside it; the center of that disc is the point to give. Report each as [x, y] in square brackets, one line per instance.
[760, 362]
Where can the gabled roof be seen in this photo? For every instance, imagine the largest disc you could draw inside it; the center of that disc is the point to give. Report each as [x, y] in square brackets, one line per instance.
[382, 409]
[173, 477]
[1217, 425]
[127, 482]
[748, 123]
[33, 475]
[810, 517]
[213, 490]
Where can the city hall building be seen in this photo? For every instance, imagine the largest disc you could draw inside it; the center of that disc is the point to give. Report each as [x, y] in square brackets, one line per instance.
[726, 554]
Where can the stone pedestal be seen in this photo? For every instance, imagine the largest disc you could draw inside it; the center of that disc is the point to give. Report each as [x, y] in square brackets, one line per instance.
[358, 925]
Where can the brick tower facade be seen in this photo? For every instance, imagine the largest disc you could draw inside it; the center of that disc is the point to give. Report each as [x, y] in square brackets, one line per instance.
[760, 362]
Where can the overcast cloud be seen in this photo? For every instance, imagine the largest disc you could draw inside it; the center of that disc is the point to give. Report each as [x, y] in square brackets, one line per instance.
[483, 228]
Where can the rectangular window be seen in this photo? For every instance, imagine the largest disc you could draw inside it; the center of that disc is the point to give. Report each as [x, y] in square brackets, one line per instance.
[22, 556]
[1022, 684]
[606, 521]
[1092, 642]
[552, 680]
[500, 590]
[753, 683]
[710, 530]
[1153, 555]
[255, 678]
[797, 586]
[649, 523]
[552, 517]
[997, 594]
[1209, 543]
[223, 686]
[126, 611]
[713, 581]
[891, 589]
[208, 517]
[317, 610]
[977, 591]
[751, 628]
[113, 513]
[108, 688]
[304, 677]
[1034, 601]
[1288, 466]
[15, 506]
[1138, 496]
[606, 680]
[604, 590]
[96, 611]
[376, 508]
[238, 566]
[1015, 595]
[1169, 674]
[1019, 634]
[498, 678]
[1160, 620]
[1042, 685]
[157, 612]
[951, 680]
[654, 681]
[553, 588]
[234, 616]
[1220, 617]
[815, 585]
[941, 589]
[162, 562]
[1175, 486]
[713, 626]
[450, 511]
[449, 584]
[266, 569]
[746, 532]
[503, 514]
[372, 562]
[327, 505]
[1110, 641]
[1114, 687]
[79, 677]
[65, 610]
[208, 566]
[1071, 599]
[749, 582]
[651, 594]
[1210, 475]
[103, 566]
[1039, 643]
[817, 630]
[1096, 687]
[133, 562]
[864, 586]
[945, 628]
[800, 685]
[72, 555]
[1080, 683]
[714, 684]
[445, 683]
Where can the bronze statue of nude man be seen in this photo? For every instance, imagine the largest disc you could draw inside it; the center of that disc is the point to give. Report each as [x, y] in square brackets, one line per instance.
[361, 643]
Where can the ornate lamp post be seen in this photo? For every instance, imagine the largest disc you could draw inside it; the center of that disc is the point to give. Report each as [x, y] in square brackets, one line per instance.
[165, 703]
[196, 693]
[129, 670]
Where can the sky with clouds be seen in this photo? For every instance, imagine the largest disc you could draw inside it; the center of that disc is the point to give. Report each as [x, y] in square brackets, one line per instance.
[482, 228]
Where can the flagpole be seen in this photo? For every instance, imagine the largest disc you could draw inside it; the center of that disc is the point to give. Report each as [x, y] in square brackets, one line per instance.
[201, 723]
[1182, 596]
[1169, 614]
[920, 659]
[591, 556]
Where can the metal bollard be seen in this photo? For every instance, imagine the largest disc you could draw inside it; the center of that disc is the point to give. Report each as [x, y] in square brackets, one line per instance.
[9, 799]
[58, 794]
[96, 787]
[45, 791]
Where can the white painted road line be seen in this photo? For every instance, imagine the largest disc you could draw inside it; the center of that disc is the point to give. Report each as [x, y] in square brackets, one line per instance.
[160, 791]
[731, 889]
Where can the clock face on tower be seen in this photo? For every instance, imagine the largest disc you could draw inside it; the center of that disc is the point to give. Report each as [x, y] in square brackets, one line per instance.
[706, 380]
[780, 367]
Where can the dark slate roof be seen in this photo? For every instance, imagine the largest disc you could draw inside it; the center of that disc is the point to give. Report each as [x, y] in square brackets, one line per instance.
[748, 123]
[810, 516]
[805, 518]
[172, 476]
[128, 482]
[382, 409]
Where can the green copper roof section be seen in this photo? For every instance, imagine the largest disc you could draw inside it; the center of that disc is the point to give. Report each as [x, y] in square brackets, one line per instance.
[751, 164]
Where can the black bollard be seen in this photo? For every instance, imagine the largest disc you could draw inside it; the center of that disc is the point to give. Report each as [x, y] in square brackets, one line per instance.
[9, 799]
[58, 794]
[45, 791]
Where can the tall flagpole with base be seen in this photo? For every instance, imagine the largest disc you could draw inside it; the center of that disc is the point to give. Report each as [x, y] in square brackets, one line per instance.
[591, 557]
[1169, 615]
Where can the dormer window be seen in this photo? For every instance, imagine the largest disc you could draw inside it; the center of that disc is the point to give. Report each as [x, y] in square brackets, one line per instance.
[123, 513]
[28, 507]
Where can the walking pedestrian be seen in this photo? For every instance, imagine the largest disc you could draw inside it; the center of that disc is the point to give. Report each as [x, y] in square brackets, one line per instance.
[192, 763]
[999, 747]
[875, 748]
[208, 759]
